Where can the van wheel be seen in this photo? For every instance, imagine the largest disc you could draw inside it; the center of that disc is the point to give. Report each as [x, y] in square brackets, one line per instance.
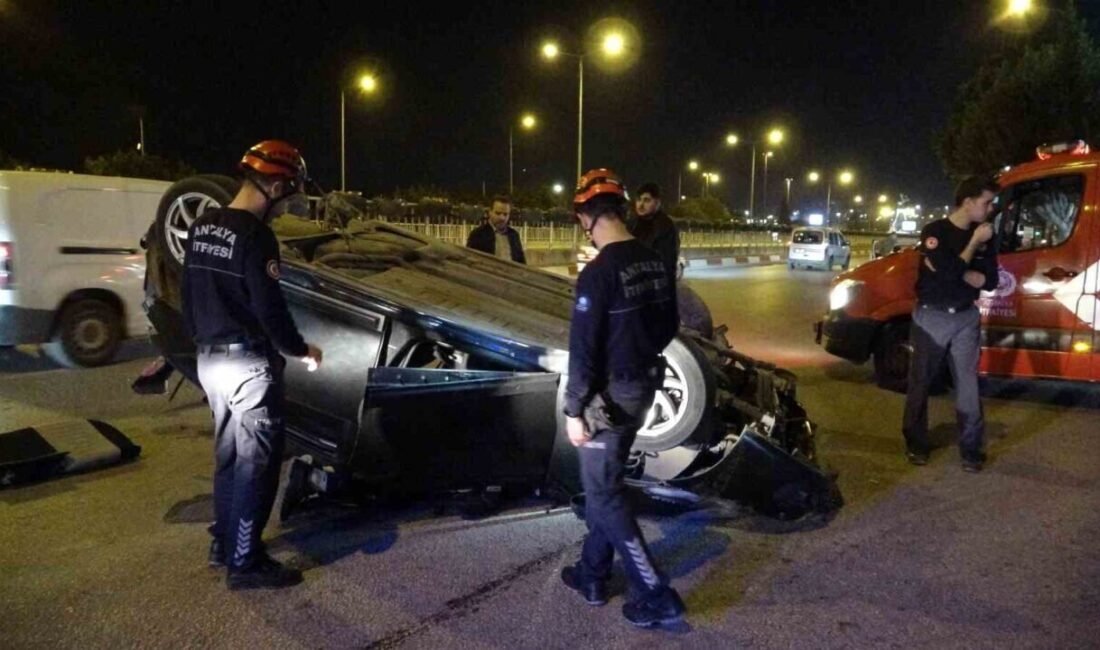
[892, 353]
[185, 201]
[88, 333]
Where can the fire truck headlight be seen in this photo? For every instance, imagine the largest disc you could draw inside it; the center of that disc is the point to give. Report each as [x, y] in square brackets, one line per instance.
[842, 294]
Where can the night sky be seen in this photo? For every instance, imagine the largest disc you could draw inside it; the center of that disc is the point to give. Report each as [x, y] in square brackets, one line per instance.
[863, 84]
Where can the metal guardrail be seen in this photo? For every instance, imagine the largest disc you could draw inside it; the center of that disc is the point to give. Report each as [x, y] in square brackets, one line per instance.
[556, 236]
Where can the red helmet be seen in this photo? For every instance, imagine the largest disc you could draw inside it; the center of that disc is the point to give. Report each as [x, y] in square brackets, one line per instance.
[598, 181]
[274, 158]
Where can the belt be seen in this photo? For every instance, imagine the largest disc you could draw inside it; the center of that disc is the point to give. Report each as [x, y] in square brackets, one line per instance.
[225, 348]
[946, 308]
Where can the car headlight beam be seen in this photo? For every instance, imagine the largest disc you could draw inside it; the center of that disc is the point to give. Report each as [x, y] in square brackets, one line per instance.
[842, 294]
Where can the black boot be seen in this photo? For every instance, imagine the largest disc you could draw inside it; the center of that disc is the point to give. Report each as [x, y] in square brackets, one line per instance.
[263, 572]
[662, 607]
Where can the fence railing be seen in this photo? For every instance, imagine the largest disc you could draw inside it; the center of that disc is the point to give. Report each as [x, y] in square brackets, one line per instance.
[556, 236]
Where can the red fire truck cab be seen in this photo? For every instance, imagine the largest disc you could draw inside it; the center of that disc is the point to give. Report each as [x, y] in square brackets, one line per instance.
[1042, 319]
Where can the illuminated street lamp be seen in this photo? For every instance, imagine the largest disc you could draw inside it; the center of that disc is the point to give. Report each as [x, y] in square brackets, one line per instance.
[693, 165]
[527, 122]
[366, 84]
[613, 44]
[558, 188]
[1019, 8]
[844, 177]
[858, 199]
[774, 138]
[882, 198]
[708, 178]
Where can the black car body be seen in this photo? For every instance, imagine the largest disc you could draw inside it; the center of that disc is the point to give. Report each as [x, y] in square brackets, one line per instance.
[445, 367]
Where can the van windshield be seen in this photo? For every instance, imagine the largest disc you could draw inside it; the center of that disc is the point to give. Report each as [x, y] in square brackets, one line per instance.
[807, 237]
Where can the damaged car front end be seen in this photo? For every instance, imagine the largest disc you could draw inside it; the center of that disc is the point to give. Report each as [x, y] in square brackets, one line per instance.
[445, 369]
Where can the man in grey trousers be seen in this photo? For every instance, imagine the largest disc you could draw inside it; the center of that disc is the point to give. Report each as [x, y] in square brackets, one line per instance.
[957, 261]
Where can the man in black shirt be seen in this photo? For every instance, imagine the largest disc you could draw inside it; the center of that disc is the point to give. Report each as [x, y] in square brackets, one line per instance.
[957, 261]
[495, 236]
[235, 311]
[654, 228]
[623, 318]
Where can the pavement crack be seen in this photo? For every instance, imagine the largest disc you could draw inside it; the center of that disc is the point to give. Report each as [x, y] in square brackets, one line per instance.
[461, 606]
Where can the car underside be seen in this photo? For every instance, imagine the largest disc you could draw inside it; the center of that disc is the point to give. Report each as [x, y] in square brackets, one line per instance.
[445, 367]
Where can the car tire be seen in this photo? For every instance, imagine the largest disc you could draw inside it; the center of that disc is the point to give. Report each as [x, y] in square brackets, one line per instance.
[681, 409]
[892, 352]
[185, 201]
[847, 262]
[790, 265]
[87, 334]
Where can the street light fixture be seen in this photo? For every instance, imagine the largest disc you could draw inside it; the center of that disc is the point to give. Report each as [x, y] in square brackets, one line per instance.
[882, 198]
[1019, 8]
[613, 45]
[527, 122]
[367, 84]
[693, 165]
[844, 177]
[774, 137]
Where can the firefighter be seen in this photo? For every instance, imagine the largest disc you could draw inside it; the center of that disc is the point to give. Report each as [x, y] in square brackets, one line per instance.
[238, 318]
[623, 317]
[957, 261]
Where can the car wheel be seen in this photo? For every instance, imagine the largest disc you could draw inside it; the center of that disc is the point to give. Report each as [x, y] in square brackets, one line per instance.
[88, 333]
[184, 202]
[892, 353]
[681, 408]
[829, 263]
[847, 262]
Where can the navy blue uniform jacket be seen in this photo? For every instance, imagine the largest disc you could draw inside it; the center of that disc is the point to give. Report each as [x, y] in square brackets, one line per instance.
[231, 288]
[623, 318]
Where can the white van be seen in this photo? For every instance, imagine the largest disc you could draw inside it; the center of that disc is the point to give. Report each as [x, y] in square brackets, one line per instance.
[820, 247]
[71, 264]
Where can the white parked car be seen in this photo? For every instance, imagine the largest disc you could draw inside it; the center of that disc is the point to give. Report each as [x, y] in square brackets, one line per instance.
[818, 247]
[71, 264]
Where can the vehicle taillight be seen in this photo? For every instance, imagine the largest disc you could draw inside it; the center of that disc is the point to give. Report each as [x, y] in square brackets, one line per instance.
[7, 277]
[1073, 148]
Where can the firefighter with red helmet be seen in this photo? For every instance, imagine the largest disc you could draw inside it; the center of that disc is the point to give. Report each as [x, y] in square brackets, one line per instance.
[235, 311]
[624, 316]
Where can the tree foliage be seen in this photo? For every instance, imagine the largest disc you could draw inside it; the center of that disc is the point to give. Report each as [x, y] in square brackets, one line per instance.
[701, 209]
[1040, 87]
[135, 165]
[9, 162]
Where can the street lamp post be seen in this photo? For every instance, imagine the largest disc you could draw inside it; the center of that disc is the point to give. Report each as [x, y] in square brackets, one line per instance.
[367, 84]
[613, 45]
[774, 137]
[845, 177]
[527, 121]
[692, 166]
[764, 190]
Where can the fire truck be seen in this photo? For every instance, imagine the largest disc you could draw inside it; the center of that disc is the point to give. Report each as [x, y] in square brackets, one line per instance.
[1040, 322]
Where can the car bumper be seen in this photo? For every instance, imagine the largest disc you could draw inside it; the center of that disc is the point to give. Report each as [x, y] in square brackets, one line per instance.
[846, 337]
[19, 325]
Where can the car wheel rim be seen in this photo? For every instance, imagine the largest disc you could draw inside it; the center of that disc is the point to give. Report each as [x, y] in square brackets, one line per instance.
[668, 404]
[181, 214]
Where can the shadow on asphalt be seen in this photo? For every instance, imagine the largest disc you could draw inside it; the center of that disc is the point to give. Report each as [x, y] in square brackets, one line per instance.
[30, 358]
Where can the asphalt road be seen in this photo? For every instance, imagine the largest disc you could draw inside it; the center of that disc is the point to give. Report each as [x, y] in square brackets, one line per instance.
[918, 557]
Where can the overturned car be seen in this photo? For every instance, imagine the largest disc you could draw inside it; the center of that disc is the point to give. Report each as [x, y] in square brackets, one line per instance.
[444, 369]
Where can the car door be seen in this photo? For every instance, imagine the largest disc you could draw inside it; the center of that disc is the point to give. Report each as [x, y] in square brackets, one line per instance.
[1039, 315]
